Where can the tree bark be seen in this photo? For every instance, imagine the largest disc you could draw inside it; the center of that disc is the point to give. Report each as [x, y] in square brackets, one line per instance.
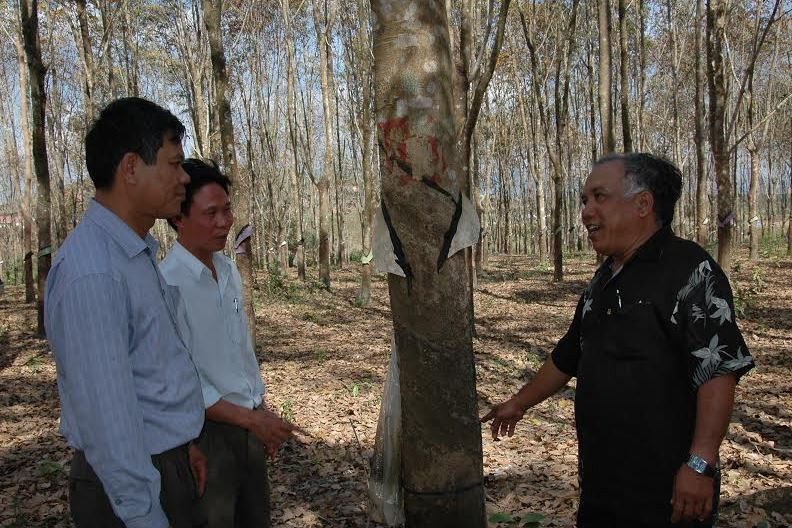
[86, 54]
[213, 11]
[789, 219]
[698, 138]
[421, 190]
[716, 22]
[753, 185]
[27, 143]
[28, 11]
[291, 113]
[606, 112]
[323, 22]
[624, 81]
[363, 60]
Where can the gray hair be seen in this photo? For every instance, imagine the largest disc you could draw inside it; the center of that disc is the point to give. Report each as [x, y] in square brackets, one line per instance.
[647, 172]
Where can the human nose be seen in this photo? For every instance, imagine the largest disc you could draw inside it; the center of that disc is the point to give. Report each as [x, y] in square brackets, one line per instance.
[183, 176]
[226, 219]
[585, 212]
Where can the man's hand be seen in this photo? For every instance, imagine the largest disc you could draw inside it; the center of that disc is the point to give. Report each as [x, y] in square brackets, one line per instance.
[692, 498]
[504, 417]
[270, 429]
[198, 467]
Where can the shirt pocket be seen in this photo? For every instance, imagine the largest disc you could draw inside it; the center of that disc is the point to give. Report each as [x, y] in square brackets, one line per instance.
[631, 332]
[234, 315]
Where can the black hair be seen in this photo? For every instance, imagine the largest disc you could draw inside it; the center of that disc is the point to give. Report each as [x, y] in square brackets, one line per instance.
[129, 124]
[656, 174]
[201, 173]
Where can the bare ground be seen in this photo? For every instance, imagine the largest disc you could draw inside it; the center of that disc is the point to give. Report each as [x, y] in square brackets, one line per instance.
[324, 361]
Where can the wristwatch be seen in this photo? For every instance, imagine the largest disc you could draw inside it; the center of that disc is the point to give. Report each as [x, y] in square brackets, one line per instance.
[700, 466]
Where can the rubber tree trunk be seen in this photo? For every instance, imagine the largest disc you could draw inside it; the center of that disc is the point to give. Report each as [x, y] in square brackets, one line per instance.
[789, 222]
[363, 52]
[324, 33]
[299, 251]
[606, 108]
[27, 195]
[421, 192]
[623, 79]
[698, 138]
[716, 21]
[28, 10]
[213, 10]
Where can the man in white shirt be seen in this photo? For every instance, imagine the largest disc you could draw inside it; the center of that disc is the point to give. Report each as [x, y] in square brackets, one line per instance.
[240, 431]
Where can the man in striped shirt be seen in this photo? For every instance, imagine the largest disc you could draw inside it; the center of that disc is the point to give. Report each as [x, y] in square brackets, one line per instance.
[130, 396]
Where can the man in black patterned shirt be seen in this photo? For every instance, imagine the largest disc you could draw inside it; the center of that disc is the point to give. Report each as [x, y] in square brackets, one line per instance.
[656, 351]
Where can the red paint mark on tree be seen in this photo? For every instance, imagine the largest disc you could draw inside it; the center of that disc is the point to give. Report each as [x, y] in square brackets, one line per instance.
[438, 159]
[395, 133]
[398, 144]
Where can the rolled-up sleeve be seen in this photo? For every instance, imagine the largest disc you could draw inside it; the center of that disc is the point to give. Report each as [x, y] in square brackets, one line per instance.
[89, 332]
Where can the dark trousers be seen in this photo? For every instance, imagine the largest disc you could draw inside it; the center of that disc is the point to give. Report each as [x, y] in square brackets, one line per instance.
[592, 517]
[237, 488]
[90, 506]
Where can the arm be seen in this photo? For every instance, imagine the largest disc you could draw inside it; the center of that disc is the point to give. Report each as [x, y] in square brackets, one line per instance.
[553, 375]
[693, 493]
[717, 356]
[505, 415]
[89, 337]
[263, 423]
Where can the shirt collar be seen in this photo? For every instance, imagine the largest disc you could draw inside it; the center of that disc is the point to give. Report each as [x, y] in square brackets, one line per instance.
[188, 260]
[652, 249]
[119, 231]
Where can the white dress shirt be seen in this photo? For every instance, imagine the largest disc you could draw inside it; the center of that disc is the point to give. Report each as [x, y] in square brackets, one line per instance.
[212, 320]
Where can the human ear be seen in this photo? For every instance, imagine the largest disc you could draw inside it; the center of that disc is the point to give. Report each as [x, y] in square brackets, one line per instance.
[645, 203]
[127, 166]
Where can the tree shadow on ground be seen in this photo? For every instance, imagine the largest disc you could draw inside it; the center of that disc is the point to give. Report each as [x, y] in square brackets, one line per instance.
[549, 295]
[779, 434]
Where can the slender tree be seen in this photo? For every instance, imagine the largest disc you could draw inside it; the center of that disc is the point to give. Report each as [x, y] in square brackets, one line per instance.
[291, 118]
[605, 96]
[623, 79]
[716, 22]
[28, 13]
[323, 23]
[212, 14]
[698, 137]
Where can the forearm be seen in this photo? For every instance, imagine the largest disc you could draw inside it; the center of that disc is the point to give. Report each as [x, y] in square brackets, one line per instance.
[547, 382]
[714, 404]
[230, 413]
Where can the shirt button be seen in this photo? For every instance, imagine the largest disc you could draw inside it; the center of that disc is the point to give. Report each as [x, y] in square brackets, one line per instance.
[118, 502]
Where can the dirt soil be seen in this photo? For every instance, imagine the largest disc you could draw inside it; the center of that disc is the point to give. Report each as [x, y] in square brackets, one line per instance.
[324, 361]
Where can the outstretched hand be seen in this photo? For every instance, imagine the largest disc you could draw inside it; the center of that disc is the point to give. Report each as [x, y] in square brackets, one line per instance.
[271, 430]
[504, 418]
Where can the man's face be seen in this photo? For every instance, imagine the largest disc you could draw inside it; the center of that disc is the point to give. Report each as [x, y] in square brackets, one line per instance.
[205, 228]
[612, 221]
[158, 188]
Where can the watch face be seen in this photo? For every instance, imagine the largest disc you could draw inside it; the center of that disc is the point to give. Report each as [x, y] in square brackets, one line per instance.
[698, 464]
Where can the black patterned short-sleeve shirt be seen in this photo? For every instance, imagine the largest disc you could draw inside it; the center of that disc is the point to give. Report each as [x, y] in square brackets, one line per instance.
[641, 343]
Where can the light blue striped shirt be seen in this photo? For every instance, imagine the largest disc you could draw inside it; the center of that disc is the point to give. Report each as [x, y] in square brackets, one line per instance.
[127, 386]
[213, 322]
